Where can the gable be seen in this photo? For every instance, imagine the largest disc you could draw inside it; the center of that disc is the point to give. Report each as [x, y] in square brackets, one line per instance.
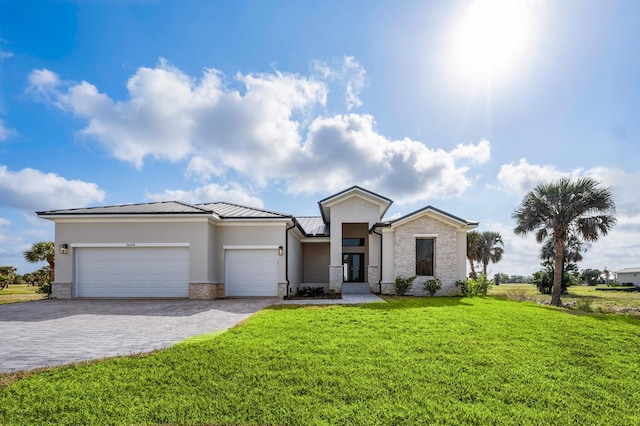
[347, 196]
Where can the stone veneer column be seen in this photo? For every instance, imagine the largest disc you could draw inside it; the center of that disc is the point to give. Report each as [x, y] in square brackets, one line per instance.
[373, 275]
[61, 290]
[335, 278]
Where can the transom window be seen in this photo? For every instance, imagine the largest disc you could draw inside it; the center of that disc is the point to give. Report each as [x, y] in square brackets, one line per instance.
[425, 256]
[353, 242]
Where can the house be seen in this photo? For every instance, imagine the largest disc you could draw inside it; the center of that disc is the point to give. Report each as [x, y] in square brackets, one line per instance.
[629, 276]
[204, 251]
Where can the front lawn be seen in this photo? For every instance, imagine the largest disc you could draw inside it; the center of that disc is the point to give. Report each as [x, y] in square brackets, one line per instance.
[411, 361]
[19, 293]
[598, 300]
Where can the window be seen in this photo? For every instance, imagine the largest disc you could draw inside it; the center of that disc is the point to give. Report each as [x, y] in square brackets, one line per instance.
[424, 256]
[353, 242]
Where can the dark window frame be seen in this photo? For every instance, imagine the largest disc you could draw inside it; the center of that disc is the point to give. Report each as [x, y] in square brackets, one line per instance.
[423, 264]
[359, 242]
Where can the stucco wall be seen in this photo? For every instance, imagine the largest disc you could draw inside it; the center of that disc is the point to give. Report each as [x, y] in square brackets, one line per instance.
[295, 261]
[446, 253]
[197, 234]
[316, 262]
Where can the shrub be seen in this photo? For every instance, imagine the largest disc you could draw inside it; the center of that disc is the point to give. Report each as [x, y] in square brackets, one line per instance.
[403, 285]
[585, 304]
[310, 291]
[475, 287]
[432, 286]
[44, 289]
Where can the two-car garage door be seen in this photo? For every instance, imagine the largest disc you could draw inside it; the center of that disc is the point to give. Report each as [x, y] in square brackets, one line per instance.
[132, 271]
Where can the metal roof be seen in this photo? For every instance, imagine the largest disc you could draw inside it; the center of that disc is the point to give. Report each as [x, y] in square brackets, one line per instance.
[223, 210]
[236, 211]
[163, 207]
[629, 270]
[313, 225]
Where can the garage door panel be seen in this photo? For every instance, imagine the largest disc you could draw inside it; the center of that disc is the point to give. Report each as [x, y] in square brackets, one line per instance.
[133, 272]
[251, 273]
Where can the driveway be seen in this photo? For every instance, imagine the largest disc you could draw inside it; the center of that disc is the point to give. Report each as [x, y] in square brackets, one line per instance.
[55, 332]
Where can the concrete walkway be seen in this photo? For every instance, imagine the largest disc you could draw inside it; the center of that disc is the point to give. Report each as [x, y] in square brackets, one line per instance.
[56, 332]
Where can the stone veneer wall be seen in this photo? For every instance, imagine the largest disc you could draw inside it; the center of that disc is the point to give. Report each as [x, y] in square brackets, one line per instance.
[445, 254]
[61, 290]
[336, 276]
[372, 273]
[203, 291]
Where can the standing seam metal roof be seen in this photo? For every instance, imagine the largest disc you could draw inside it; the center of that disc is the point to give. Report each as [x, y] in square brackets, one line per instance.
[229, 210]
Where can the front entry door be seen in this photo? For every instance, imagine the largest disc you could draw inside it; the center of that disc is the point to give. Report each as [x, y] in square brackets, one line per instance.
[353, 267]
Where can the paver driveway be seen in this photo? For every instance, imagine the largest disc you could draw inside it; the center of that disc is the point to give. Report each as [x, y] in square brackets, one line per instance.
[55, 332]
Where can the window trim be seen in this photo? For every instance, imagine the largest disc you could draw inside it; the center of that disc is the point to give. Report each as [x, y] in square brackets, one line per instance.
[433, 238]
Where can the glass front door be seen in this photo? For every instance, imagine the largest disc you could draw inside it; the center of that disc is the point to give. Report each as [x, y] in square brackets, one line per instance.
[353, 267]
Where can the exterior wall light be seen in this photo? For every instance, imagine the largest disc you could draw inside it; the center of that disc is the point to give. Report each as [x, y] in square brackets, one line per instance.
[64, 248]
[280, 251]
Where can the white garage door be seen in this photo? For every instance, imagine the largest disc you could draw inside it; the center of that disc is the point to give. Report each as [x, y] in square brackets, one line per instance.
[132, 272]
[251, 272]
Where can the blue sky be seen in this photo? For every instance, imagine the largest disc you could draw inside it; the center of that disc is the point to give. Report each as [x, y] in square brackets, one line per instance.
[463, 105]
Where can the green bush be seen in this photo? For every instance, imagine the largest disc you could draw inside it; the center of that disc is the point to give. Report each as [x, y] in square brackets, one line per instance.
[432, 286]
[475, 287]
[44, 289]
[310, 291]
[585, 305]
[403, 285]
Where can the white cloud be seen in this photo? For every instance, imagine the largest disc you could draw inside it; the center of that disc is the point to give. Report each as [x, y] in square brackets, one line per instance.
[478, 154]
[5, 55]
[344, 150]
[202, 168]
[210, 193]
[5, 132]
[518, 179]
[268, 132]
[350, 72]
[4, 222]
[30, 189]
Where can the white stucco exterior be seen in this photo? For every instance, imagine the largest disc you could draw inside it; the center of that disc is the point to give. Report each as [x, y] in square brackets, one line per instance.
[374, 253]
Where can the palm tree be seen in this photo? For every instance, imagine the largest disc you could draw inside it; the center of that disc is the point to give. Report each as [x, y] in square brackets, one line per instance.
[473, 250]
[490, 250]
[43, 251]
[562, 208]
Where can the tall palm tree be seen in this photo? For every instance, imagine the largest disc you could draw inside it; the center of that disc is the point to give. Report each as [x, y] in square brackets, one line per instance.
[473, 250]
[562, 208]
[43, 251]
[490, 250]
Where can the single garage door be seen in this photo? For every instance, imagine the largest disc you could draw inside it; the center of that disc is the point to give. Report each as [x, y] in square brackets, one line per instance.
[251, 272]
[132, 272]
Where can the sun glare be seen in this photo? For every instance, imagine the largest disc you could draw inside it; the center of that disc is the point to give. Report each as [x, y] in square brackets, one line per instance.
[490, 39]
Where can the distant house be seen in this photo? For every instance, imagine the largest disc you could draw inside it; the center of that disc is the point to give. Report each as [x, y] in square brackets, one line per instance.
[211, 250]
[629, 276]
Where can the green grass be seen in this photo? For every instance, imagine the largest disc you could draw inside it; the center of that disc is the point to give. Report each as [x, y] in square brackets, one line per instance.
[411, 361]
[605, 300]
[19, 293]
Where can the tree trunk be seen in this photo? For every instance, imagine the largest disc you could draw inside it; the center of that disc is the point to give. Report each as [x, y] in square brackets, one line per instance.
[473, 270]
[484, 268]
[557, 273]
